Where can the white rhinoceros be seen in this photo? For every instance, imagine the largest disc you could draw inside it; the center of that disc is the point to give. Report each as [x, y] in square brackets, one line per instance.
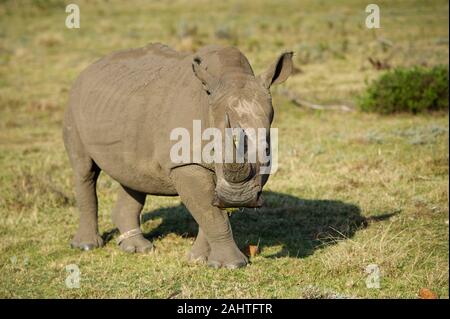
[121, 112]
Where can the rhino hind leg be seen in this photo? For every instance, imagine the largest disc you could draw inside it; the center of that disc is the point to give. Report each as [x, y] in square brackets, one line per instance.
[200, 249]
[126, 216]
[86, 173]
[195, 185]
[87, 236]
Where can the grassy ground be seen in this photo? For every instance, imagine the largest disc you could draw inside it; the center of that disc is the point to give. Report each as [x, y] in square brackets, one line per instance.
[353, 189]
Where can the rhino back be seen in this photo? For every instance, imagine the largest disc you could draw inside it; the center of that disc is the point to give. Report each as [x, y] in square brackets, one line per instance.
[113, 89]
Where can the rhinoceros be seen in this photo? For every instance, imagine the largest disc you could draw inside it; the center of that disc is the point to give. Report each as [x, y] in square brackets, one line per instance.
[120, 114]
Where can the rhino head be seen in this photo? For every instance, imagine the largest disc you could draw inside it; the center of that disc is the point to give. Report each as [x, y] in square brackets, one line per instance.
[240, 100]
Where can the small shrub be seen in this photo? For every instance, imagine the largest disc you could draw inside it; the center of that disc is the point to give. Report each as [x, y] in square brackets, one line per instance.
[413, 90]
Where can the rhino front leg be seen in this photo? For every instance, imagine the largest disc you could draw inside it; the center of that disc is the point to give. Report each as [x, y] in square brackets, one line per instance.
[200, 249]
[126, 216]
[195, 185]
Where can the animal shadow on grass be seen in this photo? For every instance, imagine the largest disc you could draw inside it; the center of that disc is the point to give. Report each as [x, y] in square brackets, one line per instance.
[296, 226]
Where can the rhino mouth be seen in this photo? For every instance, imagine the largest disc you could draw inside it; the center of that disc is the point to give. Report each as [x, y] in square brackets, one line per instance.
[230, 195]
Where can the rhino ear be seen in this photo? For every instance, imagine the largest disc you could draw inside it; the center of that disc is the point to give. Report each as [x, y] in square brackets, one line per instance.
[209, 81]
[279, 71]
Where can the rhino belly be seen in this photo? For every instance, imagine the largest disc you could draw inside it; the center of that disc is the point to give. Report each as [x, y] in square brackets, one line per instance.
[142, 175]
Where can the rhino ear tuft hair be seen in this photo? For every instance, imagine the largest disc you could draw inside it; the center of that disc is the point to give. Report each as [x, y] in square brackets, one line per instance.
[279, 71]
[209, 81]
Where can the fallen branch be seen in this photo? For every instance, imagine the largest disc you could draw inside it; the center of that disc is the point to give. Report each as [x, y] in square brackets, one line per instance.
[303, 103]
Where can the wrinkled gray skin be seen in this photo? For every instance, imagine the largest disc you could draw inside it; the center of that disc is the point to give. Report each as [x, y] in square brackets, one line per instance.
[121, 111]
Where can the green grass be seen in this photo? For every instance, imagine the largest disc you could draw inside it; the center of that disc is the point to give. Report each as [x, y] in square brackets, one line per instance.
[352, 189]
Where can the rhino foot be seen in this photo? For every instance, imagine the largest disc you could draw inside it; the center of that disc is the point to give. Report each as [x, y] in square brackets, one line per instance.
[197, 257]
[227, 257]
[200, 250]
[87, 242]
[137, 245]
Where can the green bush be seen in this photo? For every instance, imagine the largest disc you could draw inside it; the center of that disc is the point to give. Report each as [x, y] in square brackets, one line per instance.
[413, 90]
